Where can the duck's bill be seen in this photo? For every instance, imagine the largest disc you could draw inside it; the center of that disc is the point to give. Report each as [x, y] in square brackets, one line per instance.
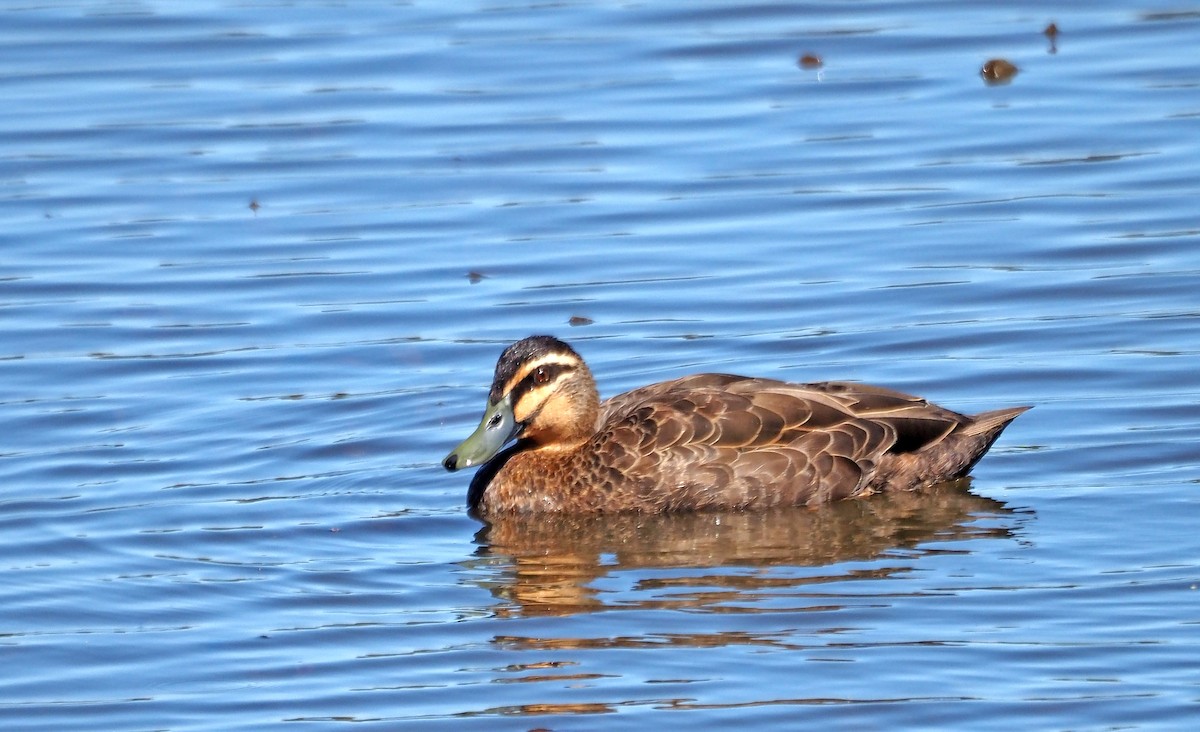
[497, 427]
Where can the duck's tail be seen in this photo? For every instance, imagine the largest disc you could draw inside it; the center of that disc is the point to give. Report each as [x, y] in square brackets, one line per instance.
[983, 429]
[947, 458]
[993, 423]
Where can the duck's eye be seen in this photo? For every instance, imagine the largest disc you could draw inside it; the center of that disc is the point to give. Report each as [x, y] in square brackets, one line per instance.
[541, 375]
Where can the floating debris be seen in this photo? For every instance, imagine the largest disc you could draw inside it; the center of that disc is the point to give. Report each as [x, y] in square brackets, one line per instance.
[998, 71]
[1051, 33]
[579, 320]
[810, 61]
[254, 206]
[475, 277]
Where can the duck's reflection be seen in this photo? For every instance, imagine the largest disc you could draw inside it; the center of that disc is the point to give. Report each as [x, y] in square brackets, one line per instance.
[724, 561]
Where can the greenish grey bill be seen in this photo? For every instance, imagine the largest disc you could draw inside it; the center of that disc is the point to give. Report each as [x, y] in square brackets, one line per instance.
[497, 427]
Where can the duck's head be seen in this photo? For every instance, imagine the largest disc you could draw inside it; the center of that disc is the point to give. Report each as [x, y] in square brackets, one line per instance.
[542, 394]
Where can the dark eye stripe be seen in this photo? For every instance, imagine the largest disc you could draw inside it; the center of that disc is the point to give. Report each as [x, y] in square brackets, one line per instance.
[530, 382]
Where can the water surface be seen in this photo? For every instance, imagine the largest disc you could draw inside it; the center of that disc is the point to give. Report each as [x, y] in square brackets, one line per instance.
[260, 259]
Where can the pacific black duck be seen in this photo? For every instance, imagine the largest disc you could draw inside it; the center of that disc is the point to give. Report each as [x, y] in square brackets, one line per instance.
[708, 441]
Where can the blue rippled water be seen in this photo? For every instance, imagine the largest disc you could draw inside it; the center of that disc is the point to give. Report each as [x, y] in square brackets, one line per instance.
[259, 259]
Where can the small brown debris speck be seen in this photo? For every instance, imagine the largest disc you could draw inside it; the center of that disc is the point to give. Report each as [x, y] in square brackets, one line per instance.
[1051, 32]
[998, 71]
[254, 206]
[810, 61]
[475, 277]
[579, 320]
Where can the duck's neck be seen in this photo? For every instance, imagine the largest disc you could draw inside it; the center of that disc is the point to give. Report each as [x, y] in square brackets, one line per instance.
[567, 420]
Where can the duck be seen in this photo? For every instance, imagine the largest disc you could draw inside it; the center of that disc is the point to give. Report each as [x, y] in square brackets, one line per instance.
[547, 444]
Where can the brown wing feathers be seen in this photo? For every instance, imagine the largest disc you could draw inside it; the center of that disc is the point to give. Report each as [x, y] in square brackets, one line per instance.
[742, 442]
